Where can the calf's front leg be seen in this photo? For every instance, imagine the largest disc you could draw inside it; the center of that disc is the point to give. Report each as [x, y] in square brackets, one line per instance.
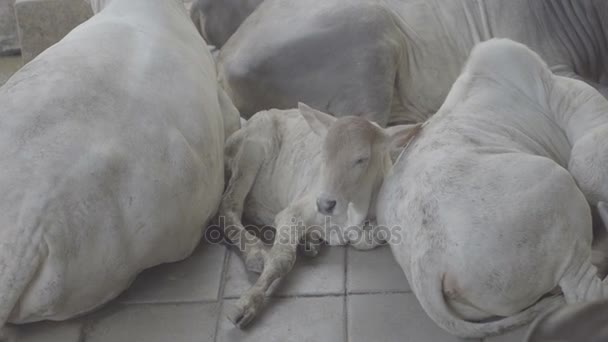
[290, 226]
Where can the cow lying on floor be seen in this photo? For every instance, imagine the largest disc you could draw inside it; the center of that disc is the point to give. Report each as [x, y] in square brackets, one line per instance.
[492, 196]
[394, 61]
[106, 171]
[276, 165]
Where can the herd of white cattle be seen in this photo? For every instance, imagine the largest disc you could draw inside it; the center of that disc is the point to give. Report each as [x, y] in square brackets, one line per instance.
[485, 160]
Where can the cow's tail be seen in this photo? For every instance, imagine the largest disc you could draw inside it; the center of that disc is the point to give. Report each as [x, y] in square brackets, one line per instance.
[432, 299]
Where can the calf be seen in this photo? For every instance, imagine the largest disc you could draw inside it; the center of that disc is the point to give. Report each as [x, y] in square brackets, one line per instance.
[493, 196]
[281, 176]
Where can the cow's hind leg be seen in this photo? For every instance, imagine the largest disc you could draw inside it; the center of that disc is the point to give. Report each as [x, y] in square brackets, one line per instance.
[581, 282]
[279, 261]
[244, 169]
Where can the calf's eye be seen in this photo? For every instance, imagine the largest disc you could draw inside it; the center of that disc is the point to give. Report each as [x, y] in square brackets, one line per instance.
[361, 161]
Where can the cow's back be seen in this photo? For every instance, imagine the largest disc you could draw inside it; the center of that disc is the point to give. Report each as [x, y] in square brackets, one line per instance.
[439, 35]
[366, 47]
[112, 141]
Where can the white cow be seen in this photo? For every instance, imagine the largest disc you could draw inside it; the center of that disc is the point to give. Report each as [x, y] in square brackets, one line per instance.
[278, 178]
[491, 218]
[394, 61]
[217, 20]
[111, 146]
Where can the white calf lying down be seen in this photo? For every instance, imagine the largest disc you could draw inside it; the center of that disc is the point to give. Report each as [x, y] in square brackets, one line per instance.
[111, 146]
[583, 322]
[491, 219]
[216, 20]
[395, 60]
[276, 164]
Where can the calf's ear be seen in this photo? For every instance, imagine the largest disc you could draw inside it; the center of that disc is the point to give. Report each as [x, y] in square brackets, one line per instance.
[318, 121]
[397, 137]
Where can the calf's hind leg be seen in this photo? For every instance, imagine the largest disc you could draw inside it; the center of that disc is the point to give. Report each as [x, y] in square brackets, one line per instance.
[244, 170]
[290, 225]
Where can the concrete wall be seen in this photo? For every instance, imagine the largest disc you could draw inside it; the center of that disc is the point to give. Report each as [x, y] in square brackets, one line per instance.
[43, 23]
[9, 42]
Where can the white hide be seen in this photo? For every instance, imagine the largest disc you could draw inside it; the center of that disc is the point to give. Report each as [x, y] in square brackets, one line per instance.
[490, 218]
[217, 20]
[287, 153]
[394, 61]
[111, 145]
[97, 5]
[284, 166]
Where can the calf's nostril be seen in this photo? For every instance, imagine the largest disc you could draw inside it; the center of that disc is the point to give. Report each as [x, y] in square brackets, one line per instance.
[325, 206]
[330, 205]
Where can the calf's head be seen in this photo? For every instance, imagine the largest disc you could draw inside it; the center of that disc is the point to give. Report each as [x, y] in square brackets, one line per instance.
[356, 155]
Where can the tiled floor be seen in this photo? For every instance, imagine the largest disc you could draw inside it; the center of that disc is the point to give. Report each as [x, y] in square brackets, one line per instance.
[341, 295]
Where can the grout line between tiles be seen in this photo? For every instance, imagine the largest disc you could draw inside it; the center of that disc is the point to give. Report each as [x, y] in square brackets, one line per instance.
[345, 303]
[220, 294]
[177, 302]
[296, 296]
[380, 292]
[81, 336]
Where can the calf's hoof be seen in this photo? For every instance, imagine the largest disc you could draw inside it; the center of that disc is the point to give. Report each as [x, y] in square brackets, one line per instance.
[310, 249]
[245, 309]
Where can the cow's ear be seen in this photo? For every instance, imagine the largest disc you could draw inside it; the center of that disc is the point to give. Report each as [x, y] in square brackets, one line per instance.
[318, 121]
[602, 208]
[397, 137]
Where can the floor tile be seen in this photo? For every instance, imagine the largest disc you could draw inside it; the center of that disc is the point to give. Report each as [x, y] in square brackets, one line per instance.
[323, 274]
[319, 319]
[68, 331]
[196, 278]
[374, 271]
[517, 335]
[156, 323]
[391, 317]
